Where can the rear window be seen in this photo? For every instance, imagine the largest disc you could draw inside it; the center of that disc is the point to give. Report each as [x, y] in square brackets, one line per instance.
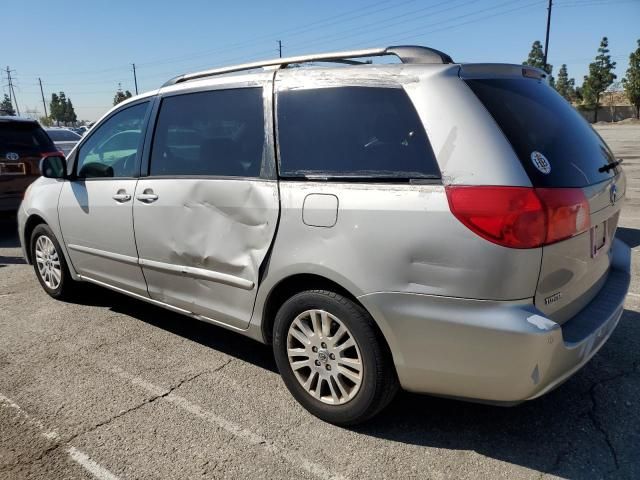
[352, 132]
[63, 135]
[24, 137]
[556, 146]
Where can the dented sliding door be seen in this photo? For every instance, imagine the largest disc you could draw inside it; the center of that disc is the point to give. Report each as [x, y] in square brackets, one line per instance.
[206, 213]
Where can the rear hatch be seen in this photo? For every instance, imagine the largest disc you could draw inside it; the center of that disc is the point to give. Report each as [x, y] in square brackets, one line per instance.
[560, 153]
[22, 145]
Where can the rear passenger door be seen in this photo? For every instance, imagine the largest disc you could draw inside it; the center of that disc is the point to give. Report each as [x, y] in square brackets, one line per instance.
[206, 211]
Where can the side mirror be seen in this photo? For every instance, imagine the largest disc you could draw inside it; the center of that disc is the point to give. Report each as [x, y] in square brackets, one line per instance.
[54, 166]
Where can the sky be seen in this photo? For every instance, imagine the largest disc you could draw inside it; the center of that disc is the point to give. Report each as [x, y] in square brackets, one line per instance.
[86, 48]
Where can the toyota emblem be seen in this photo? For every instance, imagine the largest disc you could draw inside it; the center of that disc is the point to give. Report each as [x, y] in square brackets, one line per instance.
[13, 156]
[613, 193]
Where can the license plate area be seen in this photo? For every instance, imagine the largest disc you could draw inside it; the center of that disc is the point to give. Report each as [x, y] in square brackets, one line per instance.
[599, 238]
[13, 168]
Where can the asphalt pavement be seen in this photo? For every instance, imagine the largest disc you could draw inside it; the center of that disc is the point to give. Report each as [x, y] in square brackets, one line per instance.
[112, 388]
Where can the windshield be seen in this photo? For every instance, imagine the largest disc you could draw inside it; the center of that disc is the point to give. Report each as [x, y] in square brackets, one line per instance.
[556, 146]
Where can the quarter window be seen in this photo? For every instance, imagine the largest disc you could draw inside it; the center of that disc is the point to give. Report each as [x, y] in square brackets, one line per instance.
[352, 132]
[213, 133]
[112, 149]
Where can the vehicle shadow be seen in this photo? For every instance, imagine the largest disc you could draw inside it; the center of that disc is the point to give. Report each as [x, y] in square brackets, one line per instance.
[630, 236]
[206, 334]
[557, 433]
[564, 432]
[8, 231]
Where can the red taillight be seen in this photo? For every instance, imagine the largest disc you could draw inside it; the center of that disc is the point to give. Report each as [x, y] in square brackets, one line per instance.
[520, 217]
[52, 154]
[567, 212]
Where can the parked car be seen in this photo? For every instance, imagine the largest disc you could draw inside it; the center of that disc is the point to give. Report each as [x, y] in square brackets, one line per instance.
[447, 228]
[63, 138]
[81, 130]
[23, 143]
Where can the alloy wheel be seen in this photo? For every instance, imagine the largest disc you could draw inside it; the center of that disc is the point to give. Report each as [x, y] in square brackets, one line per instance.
[324, 357]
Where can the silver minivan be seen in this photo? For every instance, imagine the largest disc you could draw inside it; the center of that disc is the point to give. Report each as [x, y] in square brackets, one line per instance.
[446, 228]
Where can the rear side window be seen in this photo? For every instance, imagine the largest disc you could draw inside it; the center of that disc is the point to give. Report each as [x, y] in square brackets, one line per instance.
[63, 135]
[556, 146]
[24, 137]
[352, 132]
[213, 133]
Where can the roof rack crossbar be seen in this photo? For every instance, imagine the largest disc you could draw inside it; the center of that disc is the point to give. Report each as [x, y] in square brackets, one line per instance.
[406, 53]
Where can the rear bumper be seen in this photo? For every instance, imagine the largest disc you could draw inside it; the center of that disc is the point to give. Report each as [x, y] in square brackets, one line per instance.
[500, 352]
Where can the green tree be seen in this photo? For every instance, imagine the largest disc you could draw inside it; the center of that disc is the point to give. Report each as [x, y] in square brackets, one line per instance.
[631, 81]
[6, 107]
[45, 121]
[70, 113]
[536, 59]
[55, 108]
[600, 77]
[121, 96]
[61, 109]
[565, 85]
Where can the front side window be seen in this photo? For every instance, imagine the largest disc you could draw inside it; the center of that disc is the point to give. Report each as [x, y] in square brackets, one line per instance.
[352, 132]
[213, 133]
[112, 148]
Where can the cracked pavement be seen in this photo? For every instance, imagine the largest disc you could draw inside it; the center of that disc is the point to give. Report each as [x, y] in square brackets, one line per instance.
[112, 388]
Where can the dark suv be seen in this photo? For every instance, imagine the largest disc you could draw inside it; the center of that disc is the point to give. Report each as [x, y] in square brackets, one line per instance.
[23, 143]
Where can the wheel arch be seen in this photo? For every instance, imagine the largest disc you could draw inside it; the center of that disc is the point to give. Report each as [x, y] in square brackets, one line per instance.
[296, 283]
[32, 222]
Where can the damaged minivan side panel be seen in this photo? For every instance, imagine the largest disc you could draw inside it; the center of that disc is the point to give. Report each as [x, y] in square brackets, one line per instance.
[206, 213]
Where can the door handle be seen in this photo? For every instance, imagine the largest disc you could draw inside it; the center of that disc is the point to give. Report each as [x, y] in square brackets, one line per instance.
[121, 196]
[147, 196]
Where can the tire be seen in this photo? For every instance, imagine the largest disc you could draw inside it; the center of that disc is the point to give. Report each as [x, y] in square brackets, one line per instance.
[352, 382]
[45, 246]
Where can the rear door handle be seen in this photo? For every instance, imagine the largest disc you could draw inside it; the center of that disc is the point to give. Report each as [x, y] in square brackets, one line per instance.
[121, 196]
[147, 196]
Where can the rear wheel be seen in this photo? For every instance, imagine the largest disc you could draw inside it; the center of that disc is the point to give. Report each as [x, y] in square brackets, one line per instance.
[332, 358]
[49, 263]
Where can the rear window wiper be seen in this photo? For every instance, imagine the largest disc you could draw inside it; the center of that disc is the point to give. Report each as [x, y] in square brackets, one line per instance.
[610, 166]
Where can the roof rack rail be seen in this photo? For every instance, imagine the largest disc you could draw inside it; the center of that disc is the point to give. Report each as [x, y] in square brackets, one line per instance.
[406, 54]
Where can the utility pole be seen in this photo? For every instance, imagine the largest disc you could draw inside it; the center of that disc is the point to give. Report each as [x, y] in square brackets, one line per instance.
[135, 79]
[280, 48]
[12, 91]
[44, 104]
[546, 42]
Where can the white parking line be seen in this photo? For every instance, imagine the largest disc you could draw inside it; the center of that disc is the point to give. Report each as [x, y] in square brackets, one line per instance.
[48, 434]
[90, 466]
[236, 430]
[76, 455]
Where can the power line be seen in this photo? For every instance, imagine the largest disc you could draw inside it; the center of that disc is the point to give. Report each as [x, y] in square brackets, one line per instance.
[384, 23]
[347, 16]
[422, 33]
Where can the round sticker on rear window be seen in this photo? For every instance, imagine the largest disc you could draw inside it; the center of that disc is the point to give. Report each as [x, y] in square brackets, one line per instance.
[540, 162]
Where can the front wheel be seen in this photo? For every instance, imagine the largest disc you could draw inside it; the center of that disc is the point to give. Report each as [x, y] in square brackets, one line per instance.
[49, 263]
[332, 358]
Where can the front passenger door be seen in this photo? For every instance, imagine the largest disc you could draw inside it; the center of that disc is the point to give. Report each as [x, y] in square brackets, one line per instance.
[96, 206]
